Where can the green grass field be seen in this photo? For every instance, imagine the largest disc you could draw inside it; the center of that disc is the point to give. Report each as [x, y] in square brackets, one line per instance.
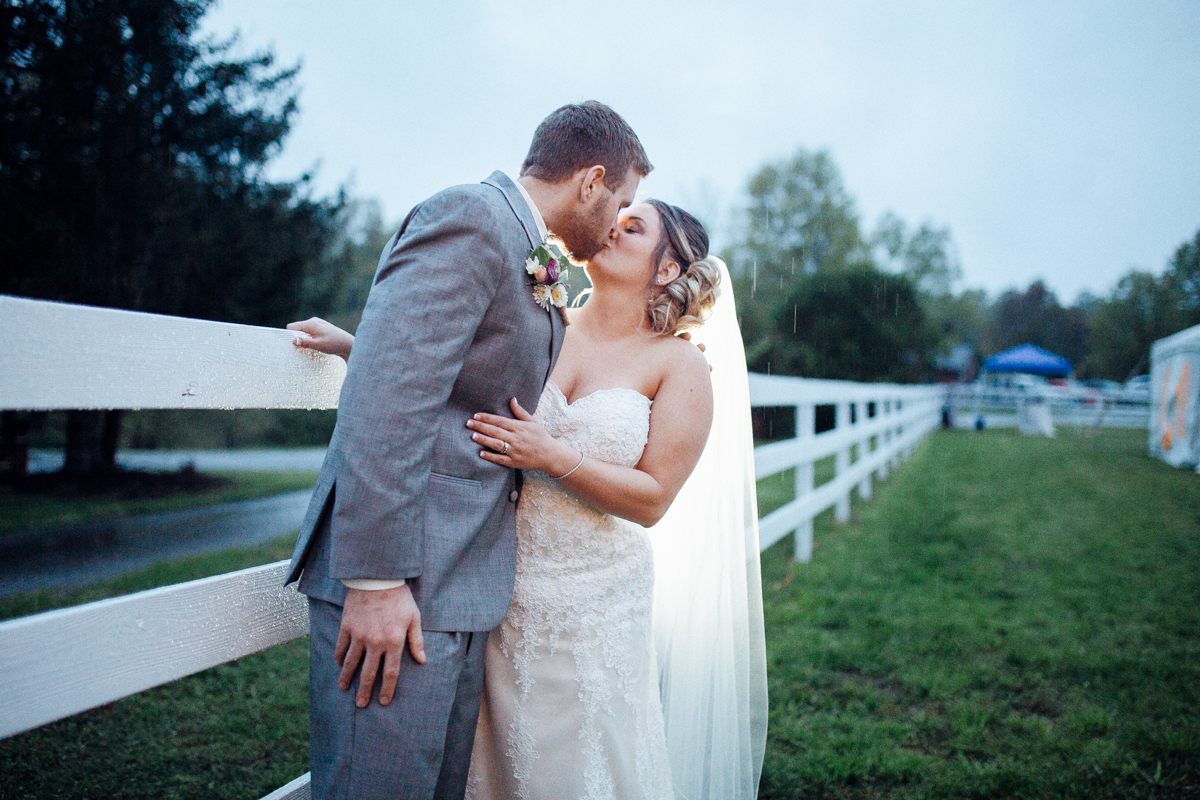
[1010, 617]
[21, 511]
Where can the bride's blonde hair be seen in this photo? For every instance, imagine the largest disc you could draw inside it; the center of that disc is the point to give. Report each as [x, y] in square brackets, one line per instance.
[686, 301]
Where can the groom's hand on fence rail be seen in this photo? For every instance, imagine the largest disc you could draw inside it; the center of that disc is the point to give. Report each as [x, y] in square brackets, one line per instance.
[376, 624]
[324, 337]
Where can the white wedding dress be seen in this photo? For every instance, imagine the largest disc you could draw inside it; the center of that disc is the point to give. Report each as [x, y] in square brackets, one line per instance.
[571, 706]
[632, 662]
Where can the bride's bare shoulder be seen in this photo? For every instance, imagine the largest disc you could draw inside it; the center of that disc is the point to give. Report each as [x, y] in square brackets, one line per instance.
[679, 358]
[684, 384]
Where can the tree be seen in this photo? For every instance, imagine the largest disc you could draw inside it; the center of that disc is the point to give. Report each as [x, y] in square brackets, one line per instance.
[364, 236]
[926, 256]
[1036, 317]
[1183, 277]
[1141, 309]
[131, 174]
[855, 324]
[799, 221]
[956, 319]
[928, 259]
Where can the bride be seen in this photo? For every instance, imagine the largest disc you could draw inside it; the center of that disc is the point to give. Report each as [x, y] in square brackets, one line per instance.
[631, 663]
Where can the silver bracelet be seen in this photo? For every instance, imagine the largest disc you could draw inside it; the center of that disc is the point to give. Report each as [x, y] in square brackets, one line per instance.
[572, 469]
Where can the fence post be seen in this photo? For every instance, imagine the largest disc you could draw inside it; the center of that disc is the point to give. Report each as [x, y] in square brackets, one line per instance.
[897, 430]
[805, 428]
[884, 437]
[842, 463]
[864, 450]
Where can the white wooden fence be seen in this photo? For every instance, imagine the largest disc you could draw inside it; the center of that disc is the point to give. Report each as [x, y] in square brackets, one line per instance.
[59, 356]
[1000, 406]
[876, 426]
[70, 357]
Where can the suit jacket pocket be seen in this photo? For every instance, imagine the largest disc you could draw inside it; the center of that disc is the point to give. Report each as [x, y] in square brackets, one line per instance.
[455, 480]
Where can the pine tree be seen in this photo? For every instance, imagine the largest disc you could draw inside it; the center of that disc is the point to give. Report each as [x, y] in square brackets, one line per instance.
[131, 174]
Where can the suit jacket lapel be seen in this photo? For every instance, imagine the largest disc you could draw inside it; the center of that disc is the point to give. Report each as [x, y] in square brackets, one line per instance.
[557, 328]
[519, 207]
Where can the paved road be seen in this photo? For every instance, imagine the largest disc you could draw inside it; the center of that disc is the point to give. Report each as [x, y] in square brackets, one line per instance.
[301, 460]
[76, 555]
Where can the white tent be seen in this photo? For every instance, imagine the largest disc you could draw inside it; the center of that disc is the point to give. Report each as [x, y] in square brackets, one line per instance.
[1034, 418]
[1174, 391]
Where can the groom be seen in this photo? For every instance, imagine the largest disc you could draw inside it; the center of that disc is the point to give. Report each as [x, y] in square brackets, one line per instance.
[408, 548]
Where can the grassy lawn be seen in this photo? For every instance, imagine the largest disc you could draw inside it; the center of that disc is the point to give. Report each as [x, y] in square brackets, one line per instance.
[20, 511]
[1010, 617]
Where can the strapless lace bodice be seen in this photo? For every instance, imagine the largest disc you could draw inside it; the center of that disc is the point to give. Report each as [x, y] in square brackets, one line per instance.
[571, 706]
[609, 425]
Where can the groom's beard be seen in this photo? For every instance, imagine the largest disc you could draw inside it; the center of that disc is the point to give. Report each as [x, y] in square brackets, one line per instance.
[585, 234]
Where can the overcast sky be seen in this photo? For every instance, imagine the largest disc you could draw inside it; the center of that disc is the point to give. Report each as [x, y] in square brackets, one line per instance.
[1057, 140]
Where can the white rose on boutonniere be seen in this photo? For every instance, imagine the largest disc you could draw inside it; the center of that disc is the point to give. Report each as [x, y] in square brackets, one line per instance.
[547, 265]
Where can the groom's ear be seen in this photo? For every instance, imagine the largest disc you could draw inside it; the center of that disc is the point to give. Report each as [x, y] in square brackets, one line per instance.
[591, 182]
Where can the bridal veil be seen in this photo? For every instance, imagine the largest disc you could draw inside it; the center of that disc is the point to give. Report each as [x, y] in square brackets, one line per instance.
[708, 617]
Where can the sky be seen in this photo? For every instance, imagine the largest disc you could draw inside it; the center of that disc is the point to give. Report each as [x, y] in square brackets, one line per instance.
[1057, 140]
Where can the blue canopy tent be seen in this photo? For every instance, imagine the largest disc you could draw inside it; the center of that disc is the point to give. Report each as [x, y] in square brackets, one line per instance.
[1029, 359]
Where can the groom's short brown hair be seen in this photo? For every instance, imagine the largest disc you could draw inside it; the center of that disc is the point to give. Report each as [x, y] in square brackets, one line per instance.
[579, 136]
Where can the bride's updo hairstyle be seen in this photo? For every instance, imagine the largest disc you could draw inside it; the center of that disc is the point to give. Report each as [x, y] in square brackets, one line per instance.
[686, 301]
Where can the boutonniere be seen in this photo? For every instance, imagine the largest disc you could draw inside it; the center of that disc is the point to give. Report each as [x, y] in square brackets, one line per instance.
[547, 265]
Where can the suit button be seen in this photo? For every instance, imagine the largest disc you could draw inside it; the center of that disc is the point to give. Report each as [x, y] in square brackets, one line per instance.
[514, 495]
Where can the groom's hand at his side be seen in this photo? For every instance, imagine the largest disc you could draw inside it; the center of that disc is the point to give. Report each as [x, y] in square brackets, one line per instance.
[375, 626]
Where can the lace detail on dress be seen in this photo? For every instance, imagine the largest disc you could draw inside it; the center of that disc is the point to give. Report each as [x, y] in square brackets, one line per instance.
[614, 431]
[581, 610]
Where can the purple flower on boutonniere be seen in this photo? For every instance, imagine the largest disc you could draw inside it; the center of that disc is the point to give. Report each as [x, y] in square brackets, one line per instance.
[547, 265]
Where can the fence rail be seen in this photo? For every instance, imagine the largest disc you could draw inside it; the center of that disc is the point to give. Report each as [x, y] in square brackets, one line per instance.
[875, 427]
[63, 662]
[61, 356]
[1000, 407]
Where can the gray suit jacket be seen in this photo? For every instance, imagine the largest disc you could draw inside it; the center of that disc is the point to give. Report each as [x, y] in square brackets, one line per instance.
[450, 328]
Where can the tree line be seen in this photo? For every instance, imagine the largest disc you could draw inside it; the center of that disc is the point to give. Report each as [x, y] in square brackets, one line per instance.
[821, 297]
[132, 175]
[132, 156]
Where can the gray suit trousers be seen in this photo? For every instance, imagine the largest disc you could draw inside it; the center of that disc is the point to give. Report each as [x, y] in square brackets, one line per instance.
[416, 748]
